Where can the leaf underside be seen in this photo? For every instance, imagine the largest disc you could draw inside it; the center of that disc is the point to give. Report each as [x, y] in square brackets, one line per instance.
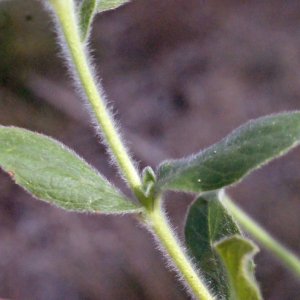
[86, 11]
[207, 222]
[237, 253]
[227, 161]
[109, 4]
[50, 171]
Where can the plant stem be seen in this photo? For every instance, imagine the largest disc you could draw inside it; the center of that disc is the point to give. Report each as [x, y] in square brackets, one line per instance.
[159, 225]
[66, 14]
[263, 237]
[65, 11]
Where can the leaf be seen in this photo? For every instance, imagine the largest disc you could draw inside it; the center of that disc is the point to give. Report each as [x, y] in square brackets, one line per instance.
[86, 12]
[109, 4]
[207, 222]
[237, 254]
[229, 160]
[148, 179]
[50, 171]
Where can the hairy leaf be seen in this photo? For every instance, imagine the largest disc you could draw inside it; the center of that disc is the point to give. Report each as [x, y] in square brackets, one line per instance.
[207, 222]
[50, 171]
[226, 162]
[237, 254]
[86, 11]
[109, 4]
[148, 178]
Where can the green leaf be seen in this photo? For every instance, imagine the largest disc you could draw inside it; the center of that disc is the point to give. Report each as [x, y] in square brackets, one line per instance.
[207, 222]
[50, 171]
[109, 4]
[226, 162]
[148, 179]
[86, 12]
[237, 254]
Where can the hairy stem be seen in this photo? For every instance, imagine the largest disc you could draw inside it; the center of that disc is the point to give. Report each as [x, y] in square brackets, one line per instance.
[65, 11]
[284, 255]
[159, 225]
[66, 14]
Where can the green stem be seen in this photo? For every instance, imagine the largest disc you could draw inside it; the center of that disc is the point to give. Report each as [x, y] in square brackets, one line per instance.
[65, 11]
[263, 237]
[159, 225]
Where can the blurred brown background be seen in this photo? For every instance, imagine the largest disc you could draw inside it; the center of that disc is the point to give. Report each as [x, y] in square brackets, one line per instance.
[181, 74]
